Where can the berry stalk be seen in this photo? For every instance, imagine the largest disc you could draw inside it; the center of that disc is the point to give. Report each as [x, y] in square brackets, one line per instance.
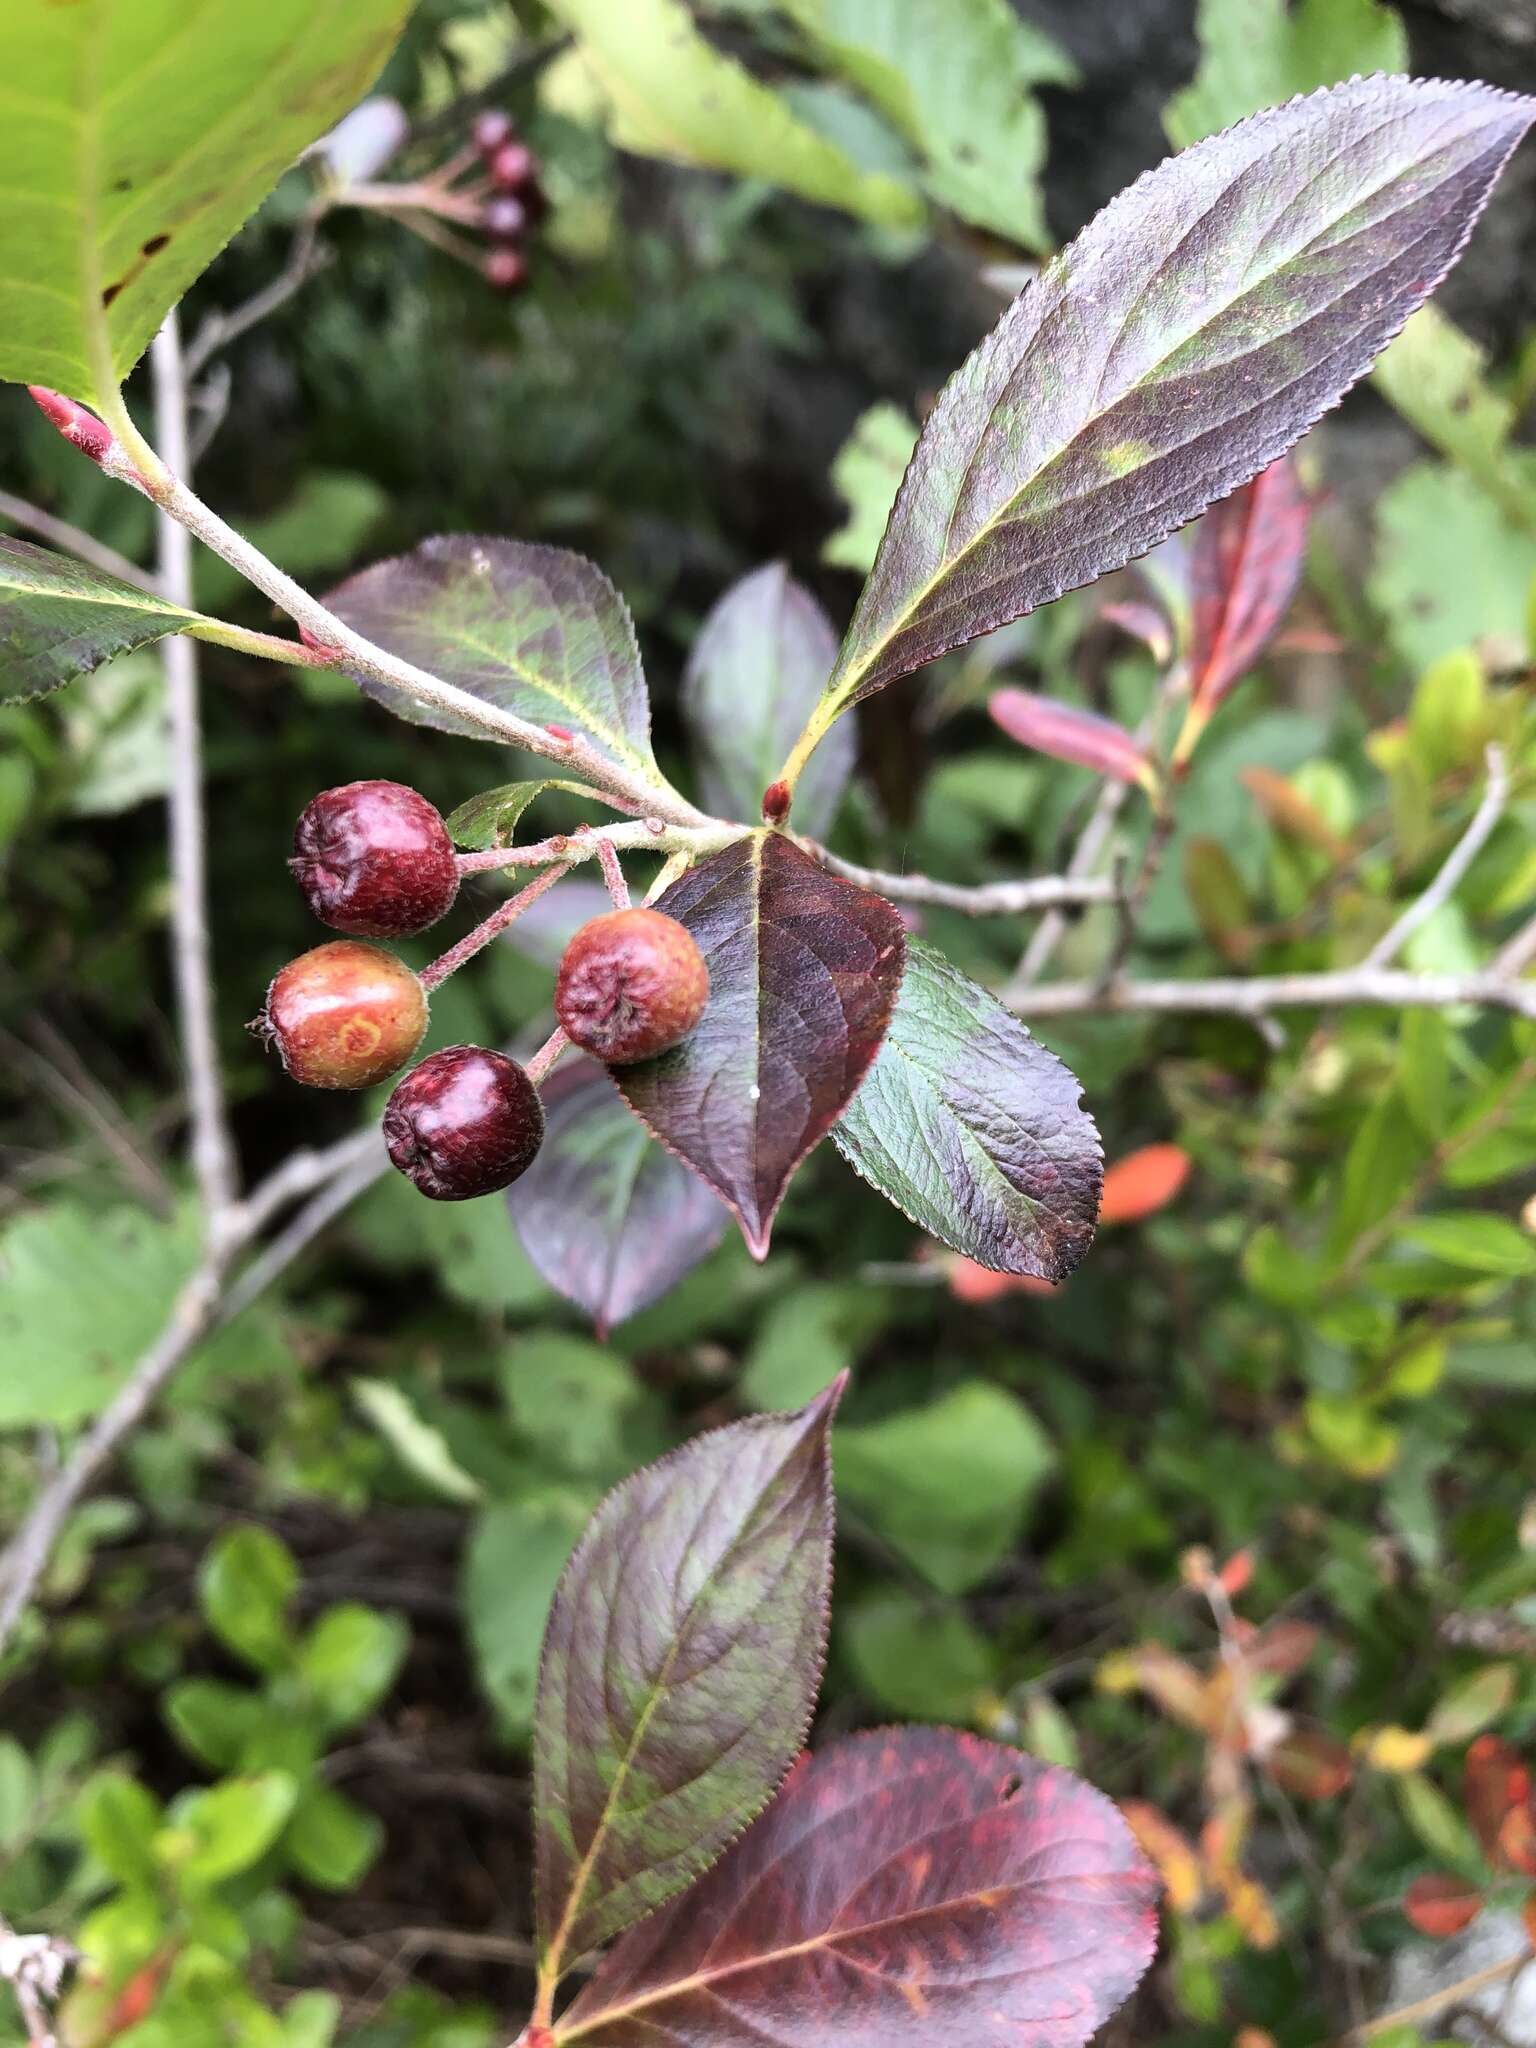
[506, 914]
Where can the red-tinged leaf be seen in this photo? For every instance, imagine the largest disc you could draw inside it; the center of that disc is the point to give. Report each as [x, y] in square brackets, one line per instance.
[1496, 1784]
[1440, 1905]
[680, 1667]
[1244, 568]
[1143, 1182]
[1310, 1765]
[977, 1285]
[1528, 1918]
[608, 1218]
[536, 631]
[1282, 1648]
[1236, 1575]
[803, 973]
[1517, 1840]
[1290, 812]
[761, 660]
[1147, 623]
[1189, 336]
[908, 1887]
[1067, 733]
[974, 1130]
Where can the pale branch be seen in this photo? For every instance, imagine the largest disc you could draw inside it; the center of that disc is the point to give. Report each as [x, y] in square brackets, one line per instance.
[1049, 933]
[74, 541]
[1518, 953]
[213, 1157]
[133, 461]
[1258, 996]
[1453, 872]
[985, 899]
[1446, 1999]
[645, 835]
[307, 257]
[35, 1966]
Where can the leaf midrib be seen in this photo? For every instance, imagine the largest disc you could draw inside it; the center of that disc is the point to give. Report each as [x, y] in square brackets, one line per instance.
[848, 688]
[831, 1938]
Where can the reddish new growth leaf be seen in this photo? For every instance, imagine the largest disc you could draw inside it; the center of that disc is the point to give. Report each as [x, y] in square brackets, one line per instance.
[1244, 568]
[915, 1886]
[1143, 1182]
[79, 427]
[1439, 1905]
[804, 970]
[1501, 1806]
[1069, 734]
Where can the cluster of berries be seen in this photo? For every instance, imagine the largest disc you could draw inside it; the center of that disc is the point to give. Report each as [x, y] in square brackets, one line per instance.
[375, 860]
[516, 202]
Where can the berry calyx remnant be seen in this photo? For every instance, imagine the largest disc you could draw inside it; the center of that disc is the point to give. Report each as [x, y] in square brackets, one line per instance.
[343, 1015]
[374, 859]
[492, 128]
[632, 984]
[464, 1123]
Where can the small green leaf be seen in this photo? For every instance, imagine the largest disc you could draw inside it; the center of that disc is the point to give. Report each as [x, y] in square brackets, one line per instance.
[60, 618]
[516, 1553]
[1472, 1704]
[119, 1820]
[247, 1585]
[331, 1841]
[350, 1659]
[491, 819]
[1448, 717]
[920, 1659]
[948, 1484]
[212, 1720]
[866, 474]
[232, 1826]
[571, 1400]
[1477, 1243]
[132, 149]
[1439, 1826]
[422, 1449]
[1264, 52]
[672, 95]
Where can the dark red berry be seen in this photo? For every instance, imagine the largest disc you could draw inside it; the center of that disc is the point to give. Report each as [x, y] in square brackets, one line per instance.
[633, 983]
[492, 130]
[464, 1123]
[506, 270]
[512, 166]
[374, 858]
[344, 1015]
[505, 217]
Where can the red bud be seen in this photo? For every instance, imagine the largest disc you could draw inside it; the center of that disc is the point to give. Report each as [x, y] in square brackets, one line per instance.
[82, 428]
[777, 798]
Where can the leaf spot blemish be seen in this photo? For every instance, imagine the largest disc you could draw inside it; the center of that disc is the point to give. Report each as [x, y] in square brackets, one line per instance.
[155, 244]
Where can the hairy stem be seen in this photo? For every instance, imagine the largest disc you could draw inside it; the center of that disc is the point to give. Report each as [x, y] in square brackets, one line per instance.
[505, 914]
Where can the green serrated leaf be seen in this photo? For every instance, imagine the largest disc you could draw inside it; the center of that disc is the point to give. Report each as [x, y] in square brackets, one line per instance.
[247, 1586]
[60, 618]
[491, 819]
[134, 143]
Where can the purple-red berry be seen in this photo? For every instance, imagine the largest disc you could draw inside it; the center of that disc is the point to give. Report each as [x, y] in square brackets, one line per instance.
[505, 217]
[632, 984]
[506, 270]
[512, 166]
[344, 1015]
[375, 859]
[492, 130]
[464, 1123]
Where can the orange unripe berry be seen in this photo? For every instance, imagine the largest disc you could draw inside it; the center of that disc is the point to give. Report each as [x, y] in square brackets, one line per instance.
[632, 984]
[344, 1015]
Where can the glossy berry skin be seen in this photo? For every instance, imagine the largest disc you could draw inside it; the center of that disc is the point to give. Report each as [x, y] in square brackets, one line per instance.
[374, 859]
[632, 984]
[506, 270]
[464, 1123]
[512, 167]
[344, 1015]
[492, 129]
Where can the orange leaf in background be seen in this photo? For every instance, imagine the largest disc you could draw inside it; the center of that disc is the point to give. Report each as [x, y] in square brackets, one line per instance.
[1248, 1903]
[1283, 1647]
[1517, 1841]
[1170, 1849]
[1528, 1917]
[972, 1283]
[1236, 1575]
[1440, 1906]
[1142, 1183]
[1310, 1765]
[1290, 812]
[1252, 2037]
[1497, 1782]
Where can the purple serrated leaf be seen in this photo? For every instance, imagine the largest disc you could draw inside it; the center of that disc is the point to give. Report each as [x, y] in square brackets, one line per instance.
[1068, 733]
[908, 1888]
[1189, 336]
[803, 974]
[680, 1669]
[608, 1217]
[537, 631]
[1244, 567]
